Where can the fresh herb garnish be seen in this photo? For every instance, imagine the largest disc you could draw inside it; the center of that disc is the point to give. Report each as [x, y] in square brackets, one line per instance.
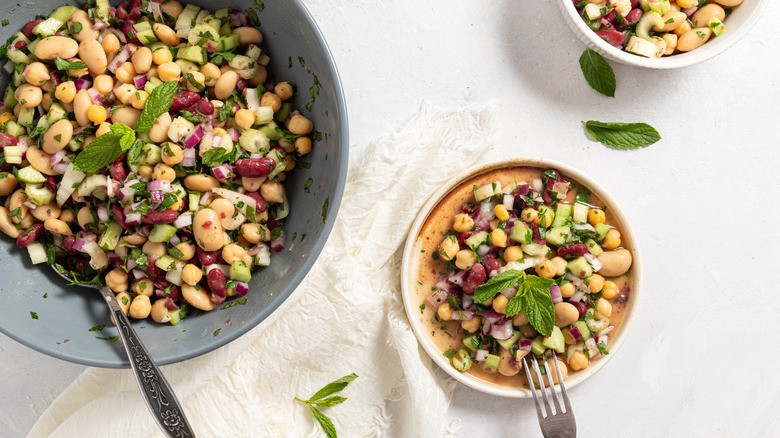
[533, 297]
[602, 348]
[158, 102]
[76, 27]
[242, 301]
[64, 64]
[449, 353]
[33, 315]
[598, 73]
[319, 399]
[622, 135]
[105, 149]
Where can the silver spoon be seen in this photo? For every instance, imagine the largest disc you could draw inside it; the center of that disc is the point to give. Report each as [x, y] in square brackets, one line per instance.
[157, 392]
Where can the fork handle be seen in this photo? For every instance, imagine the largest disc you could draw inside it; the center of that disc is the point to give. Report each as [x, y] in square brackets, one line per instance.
[158, 395]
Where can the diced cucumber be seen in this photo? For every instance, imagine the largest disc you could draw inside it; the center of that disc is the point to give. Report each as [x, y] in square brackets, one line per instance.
[56, 113]
[13, 128]
[660, 7]
[253, 51]
[642, 47]
[177, 315]
[187, 66]
[646, 23]
[191, 53]
[269, 130]
[580, 267]
[179, 129]
[162, 233]
[166, 263]
[717, 26]
[477, 239]
[151, 84]
[555, 341]
[187, 17]
[593, 247]
[470, 342]
[102, 8]
[29, 174]
[222, 13]
[194, 201]
[562, 214]
[537, 345]
[462, 360]
[584, 330]
[63, 12]
[26, 116]
[580, 214]
[283, 112]
[520, 232]
[48, 27]
[593, 11]
[8, 98]
[239, 271]
[110, 237]
[43, 123]
[601, 231]
[12, 154]
[38, 194]
[264, 60]
[490, 365]
[145, 33]
[201, 33]
[37, 253]
[174, 275]
[509, 343]
[534, 249]
[545, 211]
[225, 30]
[241, 62]
[487, 191]
[558, 235]
[228, 42]
[17, 79]
[597, 325]
[263, 115]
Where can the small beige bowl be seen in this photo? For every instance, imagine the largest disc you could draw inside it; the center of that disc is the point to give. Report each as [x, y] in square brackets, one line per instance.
[738, 23]
[410, 264]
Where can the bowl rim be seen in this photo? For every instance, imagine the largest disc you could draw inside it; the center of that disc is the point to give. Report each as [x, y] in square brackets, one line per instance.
[409, 255]
[677, 61]
[334, 205]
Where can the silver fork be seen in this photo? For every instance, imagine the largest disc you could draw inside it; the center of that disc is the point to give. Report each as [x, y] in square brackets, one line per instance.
[158, 395]
[560, 422]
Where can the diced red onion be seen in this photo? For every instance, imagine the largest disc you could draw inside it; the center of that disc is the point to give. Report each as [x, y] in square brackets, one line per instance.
[57, 157]
[590, 344]
[606, 331]
[524, 344]
[120, 57]
[126, 194]
[242, 288]
[112, 188]
[238, 18]
[575, 334]
[206, 198]
[78, 245]
[483, 250]
[577, 281]
[278, 244]
[130, 264]
[60, 168]
[174, 240]
[194, 138]
[82, 84]
[509, 202]
[171, 305]
[460, 315]
[509, 292]
[256, 155]
[157, 197]
[139, 81]
[457, 278]
[24, 70]
[561, 188]
[588, 227]
[97, 99]
[138, 274]
[223, 172]
[487, 211]
[159, 186]
[29, 205]
[133, 219]
[690, 11]
[603, 340]
[99, 24]
[502, 332]
[189, 158]
[555, 294]
[9, 67]
[593, 260]
[102, 213]
[233, 133]
[56, 79]
[481, 355]
[184, 220]
[537, 185]
[467, 300]
[577, 297]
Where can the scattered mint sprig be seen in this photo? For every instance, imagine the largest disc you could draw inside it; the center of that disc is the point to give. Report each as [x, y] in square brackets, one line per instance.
[533, 297]
[319, 399]
[158, 102]
[622, 135]
[105, 149]
[598, 73]
[64, 64]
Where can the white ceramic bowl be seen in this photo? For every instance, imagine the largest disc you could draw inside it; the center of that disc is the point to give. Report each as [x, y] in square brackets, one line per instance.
[738, 23]
[409, 270]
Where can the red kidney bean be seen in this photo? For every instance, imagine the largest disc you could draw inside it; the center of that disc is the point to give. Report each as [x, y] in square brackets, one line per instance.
[633, 16]
[183, 99]
[67, 245]
[581, 307]
[51, 184]
[475, 278]
[537, 236]
[20, 45]
[216, 280]
[205, 107]
[613, 37]
[576, 250]
[260, 204]
[161, 283]
[118, 171]
[7, 140]
[80, 264]
[30, 236]
[170, 304]
[491, 264]
[121, 10]
[255, 167]
[119, 214]
[130, 33]
[160, 217]
[152, 269]
[241, 85]
[206, 257]
[27, 29]
[463, 236]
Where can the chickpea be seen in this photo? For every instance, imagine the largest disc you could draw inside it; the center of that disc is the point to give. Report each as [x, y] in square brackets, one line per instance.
[465, 259]
[252, 184]
[611, 240]
[248, 35]
[138, 99]
[444, 311]
[124, 92]
[161, 56]
[65, 215]
[104, 84]
[232, 253]
[37, 73]
[471, 325]
[97, 114]
[271, 99]
[172, 8]
[136, 238]
[272, 192]
[156, 249]
[123, 299]
[187, 249]
[284, 90]
[501, 212]
[448, 248]
[260, 76]
[245, 118]
[498, 238]
[255, 233]
[546, 269]
[519, 319]
[603, 309]
[125, 73]
[610, 290]
[191, 274]
[164, 172]
[104, 128]
[152, 73]
[29, 96]
[300, 125]
[578, 361]
[499, 303]
[141, 307]
[560, 265]
[143, 286]
[513, 254]
[6, 225]
[224, 208]
[671, 43]
[595, 283]
[684, 28]
[65, 92]
[145, 171]
[596, 216]
[462, 222]
[567, 289]
[116, 279]
[302, 145]
[170, 71]
[159, 312]
[110, 44]
[172, 154]
[529, 215]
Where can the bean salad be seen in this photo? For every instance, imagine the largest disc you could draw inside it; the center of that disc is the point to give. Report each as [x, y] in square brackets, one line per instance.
[144, 147]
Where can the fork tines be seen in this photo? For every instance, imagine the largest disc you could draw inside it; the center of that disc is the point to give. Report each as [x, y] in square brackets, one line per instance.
[557, 422]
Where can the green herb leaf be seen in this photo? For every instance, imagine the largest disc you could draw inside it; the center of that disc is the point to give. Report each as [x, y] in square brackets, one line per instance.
[330, 401]
[103, 151]
[622, 135]
[327, 425]
[598, 73]
[127, 133]
[334, 386]
[33, 315]
[76, 27]
[64, 64]
[490, 288]
[449, 353]
[537, 304]
[602, 348]
[158, 102]
[216, 155]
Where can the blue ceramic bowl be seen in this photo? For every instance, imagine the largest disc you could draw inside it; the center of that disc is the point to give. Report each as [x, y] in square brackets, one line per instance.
[66, 313]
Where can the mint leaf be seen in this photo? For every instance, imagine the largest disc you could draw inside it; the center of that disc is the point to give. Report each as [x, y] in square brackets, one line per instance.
[327, 425]
[334, 386]
[127, 133]
[158, 102]
[496, 284]
[537, 304]
[602, 348]
[598, 73]
[330, 401]
[622, 135]
[101, 152]
[218, 155]
[64, 64]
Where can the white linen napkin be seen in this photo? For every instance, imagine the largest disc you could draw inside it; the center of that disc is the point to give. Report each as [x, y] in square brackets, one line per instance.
[347, 316]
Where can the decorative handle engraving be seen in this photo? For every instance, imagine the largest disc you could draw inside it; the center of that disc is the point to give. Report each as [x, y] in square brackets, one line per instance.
[157, 392]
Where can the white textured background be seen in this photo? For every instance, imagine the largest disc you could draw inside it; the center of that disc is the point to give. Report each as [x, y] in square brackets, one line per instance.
[703, 203]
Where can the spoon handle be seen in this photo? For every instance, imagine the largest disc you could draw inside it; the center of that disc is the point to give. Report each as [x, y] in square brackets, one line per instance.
[157, 392]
